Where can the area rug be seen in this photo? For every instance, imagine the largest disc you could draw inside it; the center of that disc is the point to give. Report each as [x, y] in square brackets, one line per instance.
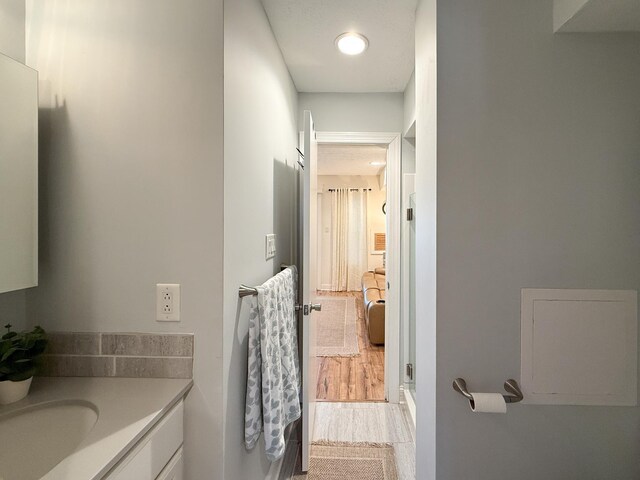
[337, 334]
[344, 461]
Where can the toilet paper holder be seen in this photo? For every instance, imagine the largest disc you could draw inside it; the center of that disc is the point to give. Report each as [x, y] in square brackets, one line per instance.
[511, 386]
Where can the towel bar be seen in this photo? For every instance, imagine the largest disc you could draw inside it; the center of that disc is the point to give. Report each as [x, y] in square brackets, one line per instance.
[511, 386]
[245, 291]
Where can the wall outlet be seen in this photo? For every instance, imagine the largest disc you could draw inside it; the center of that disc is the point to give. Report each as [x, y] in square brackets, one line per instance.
[270, 246]
[168, 302]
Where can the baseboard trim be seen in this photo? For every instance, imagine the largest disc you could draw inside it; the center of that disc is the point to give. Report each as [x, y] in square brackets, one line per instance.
[410, 402]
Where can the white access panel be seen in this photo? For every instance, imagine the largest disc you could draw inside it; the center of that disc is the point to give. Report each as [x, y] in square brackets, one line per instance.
[579, 347]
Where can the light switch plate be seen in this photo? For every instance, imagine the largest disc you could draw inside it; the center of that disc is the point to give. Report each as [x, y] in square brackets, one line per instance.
[270, 246]
[168, 302]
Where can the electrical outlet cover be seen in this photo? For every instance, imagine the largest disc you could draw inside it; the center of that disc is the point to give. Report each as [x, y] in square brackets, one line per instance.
[168, 302]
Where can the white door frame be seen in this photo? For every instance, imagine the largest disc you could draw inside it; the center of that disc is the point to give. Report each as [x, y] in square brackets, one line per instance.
[394, 220]
[408, 187]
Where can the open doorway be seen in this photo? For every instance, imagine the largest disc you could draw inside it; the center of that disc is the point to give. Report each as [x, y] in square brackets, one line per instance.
[372, 147]
[343, 414]
[352, 231]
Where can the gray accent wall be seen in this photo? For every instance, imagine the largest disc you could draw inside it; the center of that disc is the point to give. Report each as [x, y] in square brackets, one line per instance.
[260, 188]
[538, 185]
[131, 166]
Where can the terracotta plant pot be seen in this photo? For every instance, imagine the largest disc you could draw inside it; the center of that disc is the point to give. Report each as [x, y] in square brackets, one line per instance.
[13, 391]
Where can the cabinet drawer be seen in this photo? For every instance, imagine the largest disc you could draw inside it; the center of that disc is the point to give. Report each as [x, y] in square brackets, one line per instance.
[154, 451]
[175, 469]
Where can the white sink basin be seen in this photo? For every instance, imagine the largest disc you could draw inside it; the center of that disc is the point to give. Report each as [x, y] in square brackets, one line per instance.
[35, 439]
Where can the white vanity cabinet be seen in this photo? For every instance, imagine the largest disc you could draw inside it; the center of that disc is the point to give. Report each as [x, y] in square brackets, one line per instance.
[174, 469]
[158, 455]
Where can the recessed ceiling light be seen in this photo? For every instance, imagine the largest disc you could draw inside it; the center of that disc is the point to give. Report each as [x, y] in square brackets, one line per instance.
[377, 164]
[351, 43]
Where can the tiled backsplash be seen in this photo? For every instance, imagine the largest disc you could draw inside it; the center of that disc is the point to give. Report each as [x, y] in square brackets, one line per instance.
[148, 355]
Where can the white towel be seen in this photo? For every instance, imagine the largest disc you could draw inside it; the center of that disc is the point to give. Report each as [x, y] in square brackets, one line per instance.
[273, 371]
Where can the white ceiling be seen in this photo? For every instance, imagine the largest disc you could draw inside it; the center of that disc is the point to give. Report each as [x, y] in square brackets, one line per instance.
[306, 31]
[341, 159]
[597, 15]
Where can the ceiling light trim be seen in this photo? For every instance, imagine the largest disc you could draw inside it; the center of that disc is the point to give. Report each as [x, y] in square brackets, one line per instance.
[352, 43]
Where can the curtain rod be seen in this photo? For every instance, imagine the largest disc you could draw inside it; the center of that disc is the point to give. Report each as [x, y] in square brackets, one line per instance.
[351, 189]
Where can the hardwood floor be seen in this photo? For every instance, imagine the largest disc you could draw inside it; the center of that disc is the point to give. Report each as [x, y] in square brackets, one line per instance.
[353, 379]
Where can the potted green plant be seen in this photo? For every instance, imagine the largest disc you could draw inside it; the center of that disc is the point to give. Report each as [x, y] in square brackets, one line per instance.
[19, 354]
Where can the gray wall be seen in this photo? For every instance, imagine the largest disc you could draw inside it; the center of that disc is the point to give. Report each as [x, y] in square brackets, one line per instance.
[260, 179]
[12, 35]
[409, 98]
[353, 112]
[13, 310]
[538, 186]
[408, 146]
[131, 180]
[12, 25]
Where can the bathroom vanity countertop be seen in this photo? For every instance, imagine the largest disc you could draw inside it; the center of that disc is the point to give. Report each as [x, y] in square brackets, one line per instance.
[127, 409]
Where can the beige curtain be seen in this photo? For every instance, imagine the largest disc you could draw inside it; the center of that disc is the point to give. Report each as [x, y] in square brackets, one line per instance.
[349, 238]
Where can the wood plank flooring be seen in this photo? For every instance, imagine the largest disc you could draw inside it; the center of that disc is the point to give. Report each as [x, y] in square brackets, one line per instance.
[353, 379]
